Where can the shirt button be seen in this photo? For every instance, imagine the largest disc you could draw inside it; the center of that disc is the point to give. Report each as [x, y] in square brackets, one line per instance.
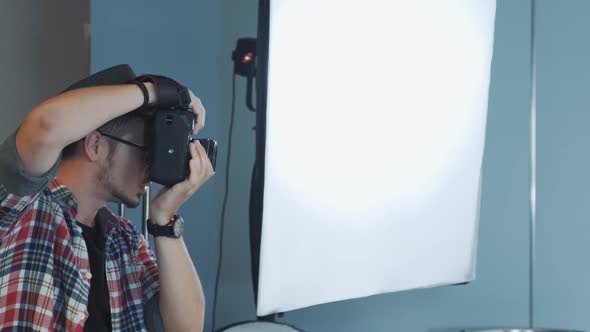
[88, 275]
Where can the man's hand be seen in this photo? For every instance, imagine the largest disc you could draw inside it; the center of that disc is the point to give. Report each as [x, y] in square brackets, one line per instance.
[199, 111]
[168, 200]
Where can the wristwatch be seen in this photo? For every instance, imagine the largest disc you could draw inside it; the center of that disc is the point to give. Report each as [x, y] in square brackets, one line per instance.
[173, 229]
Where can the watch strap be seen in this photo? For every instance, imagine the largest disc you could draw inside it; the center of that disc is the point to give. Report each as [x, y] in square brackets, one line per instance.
[162, 230]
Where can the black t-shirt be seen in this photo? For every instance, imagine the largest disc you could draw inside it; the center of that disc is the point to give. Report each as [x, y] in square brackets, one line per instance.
[99, 309]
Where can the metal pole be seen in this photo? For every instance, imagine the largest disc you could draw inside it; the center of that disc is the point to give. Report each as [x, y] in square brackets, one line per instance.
[533, 179]
[145, 215]
[122, 210]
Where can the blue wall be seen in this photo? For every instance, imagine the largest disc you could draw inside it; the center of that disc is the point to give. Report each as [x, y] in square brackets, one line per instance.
[563, 71]
[197, 52]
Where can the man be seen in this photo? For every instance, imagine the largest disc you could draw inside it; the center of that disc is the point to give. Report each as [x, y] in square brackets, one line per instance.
[66, 261]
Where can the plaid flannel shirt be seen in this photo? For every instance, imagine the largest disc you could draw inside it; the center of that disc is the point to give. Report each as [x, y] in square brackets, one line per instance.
[44, 268]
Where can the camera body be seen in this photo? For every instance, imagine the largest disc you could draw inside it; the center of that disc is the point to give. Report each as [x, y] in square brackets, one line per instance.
[169, 131]
[169, 134]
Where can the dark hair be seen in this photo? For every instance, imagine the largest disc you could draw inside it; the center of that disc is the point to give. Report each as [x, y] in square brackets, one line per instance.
[118, 127]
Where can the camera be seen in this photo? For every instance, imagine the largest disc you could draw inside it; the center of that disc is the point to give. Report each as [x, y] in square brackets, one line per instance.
[169, 134]
[171, 122]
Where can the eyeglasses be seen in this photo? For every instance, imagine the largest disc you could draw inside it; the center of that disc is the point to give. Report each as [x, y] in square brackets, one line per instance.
[120, 140]
[124, 141]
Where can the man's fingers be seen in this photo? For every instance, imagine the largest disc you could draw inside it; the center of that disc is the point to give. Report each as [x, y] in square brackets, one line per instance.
[195, 164]
[207, 168]
[199, 111]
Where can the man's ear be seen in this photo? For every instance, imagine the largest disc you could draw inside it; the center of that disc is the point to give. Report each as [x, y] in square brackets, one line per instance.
[95, 146]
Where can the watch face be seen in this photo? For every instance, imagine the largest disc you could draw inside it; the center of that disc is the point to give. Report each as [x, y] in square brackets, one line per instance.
[178, 227]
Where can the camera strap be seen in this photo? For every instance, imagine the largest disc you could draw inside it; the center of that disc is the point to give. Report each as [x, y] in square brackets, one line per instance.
[171, 94]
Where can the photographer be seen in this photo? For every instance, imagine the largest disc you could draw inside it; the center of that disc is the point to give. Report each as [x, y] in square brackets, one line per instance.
[67, 262]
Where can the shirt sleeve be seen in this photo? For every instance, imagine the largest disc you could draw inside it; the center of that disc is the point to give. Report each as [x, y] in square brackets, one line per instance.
[150, 277]
[150, 286]
[17, 188]
[13, 177]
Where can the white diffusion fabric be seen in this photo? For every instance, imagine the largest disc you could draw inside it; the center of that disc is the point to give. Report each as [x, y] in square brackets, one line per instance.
[374, 145]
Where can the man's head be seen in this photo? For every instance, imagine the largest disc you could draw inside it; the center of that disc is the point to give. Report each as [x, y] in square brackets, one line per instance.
[115, 158]
[110, 154]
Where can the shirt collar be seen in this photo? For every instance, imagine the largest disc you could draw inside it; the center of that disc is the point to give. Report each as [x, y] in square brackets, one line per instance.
[63, 195]
[66, 199]
[107, 219]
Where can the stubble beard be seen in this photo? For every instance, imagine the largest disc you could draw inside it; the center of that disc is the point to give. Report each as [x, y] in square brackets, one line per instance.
[115, 190]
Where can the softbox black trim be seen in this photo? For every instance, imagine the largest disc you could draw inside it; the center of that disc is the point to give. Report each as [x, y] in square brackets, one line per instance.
[257, 189]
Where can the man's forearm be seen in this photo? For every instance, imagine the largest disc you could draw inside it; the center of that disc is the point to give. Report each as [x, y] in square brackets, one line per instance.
[182, 304]
[70, 116]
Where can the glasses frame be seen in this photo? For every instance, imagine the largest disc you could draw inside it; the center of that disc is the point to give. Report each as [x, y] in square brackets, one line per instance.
[120, 140]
